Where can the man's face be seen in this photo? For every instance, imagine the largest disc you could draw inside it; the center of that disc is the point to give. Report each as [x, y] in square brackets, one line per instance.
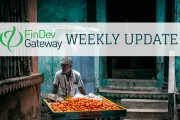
[65, 68]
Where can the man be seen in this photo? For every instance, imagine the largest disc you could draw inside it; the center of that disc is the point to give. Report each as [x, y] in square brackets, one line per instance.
[67, 81]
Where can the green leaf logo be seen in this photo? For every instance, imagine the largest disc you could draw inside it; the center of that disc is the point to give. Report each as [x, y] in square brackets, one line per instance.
[8, 45]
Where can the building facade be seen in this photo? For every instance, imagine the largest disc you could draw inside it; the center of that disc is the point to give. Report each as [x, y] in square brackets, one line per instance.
[139, 73]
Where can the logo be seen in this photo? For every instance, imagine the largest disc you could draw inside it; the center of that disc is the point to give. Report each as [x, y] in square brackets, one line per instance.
[10, 39]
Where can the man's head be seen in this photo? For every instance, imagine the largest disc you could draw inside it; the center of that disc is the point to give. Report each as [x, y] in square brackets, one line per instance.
[66, 64]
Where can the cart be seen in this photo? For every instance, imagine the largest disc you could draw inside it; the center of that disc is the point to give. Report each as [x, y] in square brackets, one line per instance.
[103, 114]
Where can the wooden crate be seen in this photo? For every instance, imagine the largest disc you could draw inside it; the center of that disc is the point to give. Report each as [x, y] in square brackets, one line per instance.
[86, 114]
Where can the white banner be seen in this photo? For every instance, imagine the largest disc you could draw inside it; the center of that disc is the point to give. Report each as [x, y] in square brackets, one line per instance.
[89, 39]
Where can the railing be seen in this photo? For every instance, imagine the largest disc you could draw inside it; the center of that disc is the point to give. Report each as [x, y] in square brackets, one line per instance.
[14, 67]
[14, 11]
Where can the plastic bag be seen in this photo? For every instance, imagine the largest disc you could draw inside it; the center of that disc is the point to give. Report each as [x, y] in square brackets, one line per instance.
[79, 95]
[51, 97]
[59, 99]
[91, 95]
[97, 98]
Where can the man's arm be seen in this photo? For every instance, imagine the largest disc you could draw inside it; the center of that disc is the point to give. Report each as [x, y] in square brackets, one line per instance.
[80, 85]
[55, 89]
[55, 84]
[82, 90]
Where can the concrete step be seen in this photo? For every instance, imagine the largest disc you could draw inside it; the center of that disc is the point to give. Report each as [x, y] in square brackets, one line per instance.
[132, 82]
[132, 88]
[133, 94]
[143, 114]
[142, 119]
[144, 104]
[178, 108]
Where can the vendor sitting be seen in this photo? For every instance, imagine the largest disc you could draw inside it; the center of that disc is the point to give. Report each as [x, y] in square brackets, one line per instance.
[67, 81]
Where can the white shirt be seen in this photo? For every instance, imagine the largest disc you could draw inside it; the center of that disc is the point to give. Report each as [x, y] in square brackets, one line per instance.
[68, 88]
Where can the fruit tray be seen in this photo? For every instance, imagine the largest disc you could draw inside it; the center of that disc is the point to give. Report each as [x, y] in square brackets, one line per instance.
[121, 112]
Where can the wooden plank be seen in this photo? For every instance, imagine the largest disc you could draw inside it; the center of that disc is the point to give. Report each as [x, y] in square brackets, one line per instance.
[98, 66]
[21, 66]
[13, 10]
[25, 8]
[28, 65]
[172, 111]
[105, 72]
[1, 13]
[160, 17]
[21, 11]
[5, 67]
[32, 10]
[96, 73]
[24, 65]
[18, 10]
[101, 10]
[160, 11]
[18, 66]
[177, 59]
[7, 63]
[14, 66]
[34, 63]
[171, 81]
[32, 14]
[10, 65]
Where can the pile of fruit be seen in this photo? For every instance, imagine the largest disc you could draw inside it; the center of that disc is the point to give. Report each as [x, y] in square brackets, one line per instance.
[83, 104]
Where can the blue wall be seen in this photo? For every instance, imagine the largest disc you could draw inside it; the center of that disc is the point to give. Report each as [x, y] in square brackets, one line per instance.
[63, 11]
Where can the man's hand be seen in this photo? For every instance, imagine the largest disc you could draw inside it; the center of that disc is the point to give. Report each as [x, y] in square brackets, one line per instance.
[81, 89]
[55, 89]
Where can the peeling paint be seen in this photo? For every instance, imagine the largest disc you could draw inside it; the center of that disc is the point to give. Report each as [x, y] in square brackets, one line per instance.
[56, 11]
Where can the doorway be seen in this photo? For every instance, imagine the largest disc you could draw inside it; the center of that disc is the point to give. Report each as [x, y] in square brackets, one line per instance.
[131, 11]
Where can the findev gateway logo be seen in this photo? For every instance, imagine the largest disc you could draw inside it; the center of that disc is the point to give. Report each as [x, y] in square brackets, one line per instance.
[46, 39]
[9, 35]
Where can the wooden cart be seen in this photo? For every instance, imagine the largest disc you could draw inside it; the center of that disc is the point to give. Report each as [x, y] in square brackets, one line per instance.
[86, 114]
